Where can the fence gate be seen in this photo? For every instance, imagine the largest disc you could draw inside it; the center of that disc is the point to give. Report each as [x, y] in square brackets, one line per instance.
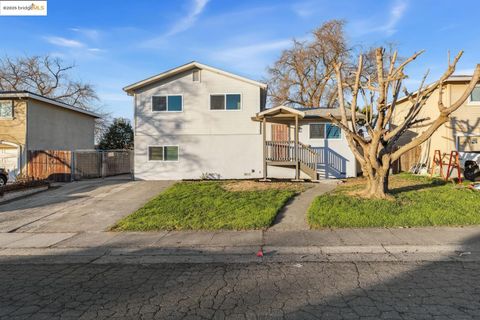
[54, 165]
[97, 164]
[65, 166]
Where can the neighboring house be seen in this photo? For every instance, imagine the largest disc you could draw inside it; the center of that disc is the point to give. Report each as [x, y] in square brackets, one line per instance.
[461, 133]
[32, 122]
[196, 121]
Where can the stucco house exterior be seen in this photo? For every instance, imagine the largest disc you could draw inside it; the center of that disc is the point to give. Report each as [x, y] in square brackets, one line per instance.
[32, 122]
[196, 121]
[461, 133]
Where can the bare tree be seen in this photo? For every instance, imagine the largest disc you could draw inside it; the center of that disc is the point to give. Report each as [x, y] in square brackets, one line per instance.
[49, 77]
[380, 91]
[304, 75]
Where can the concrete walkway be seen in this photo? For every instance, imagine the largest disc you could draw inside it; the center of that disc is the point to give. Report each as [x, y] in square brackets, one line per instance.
[293, 216]
[416, 244]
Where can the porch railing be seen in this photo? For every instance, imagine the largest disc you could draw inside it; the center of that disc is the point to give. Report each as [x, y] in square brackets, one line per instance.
[308, 156]
[284, 151]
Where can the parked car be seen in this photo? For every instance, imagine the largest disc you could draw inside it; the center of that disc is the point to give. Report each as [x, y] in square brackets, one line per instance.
[3, 177]
[470, 163]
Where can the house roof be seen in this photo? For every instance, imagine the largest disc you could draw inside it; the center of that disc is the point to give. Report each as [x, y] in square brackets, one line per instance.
[188, 66]
[304, 113]
[281, 111]
[452, 79]
[34, 96]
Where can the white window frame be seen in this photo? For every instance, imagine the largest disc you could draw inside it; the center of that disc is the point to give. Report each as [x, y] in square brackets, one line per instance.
[225, 102]
[163, 146]
[458, 136]
[325, 132]
[13, 111]
[166, 95]
[473, 103]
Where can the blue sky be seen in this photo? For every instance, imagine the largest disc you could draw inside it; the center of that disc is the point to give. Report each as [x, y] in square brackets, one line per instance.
[116, 43]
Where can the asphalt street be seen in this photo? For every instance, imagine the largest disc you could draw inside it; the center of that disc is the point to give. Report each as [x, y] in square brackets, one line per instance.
[314, 290]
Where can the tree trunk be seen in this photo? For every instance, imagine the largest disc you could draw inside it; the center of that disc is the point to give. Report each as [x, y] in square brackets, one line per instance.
[377, 184]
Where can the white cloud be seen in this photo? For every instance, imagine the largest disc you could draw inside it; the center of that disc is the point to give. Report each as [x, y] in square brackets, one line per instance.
[250, 51]
[64, 42]
[91, 34]
[251, 59]
[188, 21]
[395, 15]
[182, 25]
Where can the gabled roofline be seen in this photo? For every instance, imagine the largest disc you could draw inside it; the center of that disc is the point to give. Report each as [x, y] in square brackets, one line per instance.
[278, 110]
[194, 64]
[452, 79]
[34, 96]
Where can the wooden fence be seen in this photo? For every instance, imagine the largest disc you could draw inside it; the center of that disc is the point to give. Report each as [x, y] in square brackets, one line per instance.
[407, 160]
[54, 165]
[64, 166]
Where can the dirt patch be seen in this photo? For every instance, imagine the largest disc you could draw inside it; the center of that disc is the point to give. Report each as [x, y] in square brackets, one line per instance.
[394, 182]
[250, 185]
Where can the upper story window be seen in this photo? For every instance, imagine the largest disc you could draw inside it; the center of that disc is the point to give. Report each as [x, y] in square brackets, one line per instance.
[324, 131]
[6, 109]
[475, 96]
[225, 102]
[196, 75]
[167, 103]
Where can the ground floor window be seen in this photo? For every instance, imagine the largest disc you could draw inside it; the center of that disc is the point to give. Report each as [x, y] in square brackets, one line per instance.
[324, 131]
[468, 143]
[163, 153]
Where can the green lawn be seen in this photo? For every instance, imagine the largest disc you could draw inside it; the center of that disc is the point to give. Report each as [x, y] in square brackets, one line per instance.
[210, 206]
[418, 201]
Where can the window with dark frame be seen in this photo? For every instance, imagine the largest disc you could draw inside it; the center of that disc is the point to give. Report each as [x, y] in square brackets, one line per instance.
[317, 131]
[170, 103]
[163, 153]
[217, 102]
[324, 131]
[225, 101]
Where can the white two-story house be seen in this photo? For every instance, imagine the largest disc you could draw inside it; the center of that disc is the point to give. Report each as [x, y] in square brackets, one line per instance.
[196, 121]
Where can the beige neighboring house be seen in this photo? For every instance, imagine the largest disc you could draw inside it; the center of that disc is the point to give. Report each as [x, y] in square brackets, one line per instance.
[461, 133]
[32, 122]
[196, 121]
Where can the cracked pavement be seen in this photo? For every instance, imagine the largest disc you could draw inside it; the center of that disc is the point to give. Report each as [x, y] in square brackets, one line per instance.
[313, 290]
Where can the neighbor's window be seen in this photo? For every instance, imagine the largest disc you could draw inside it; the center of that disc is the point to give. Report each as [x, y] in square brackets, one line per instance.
[172, 103]
[475, 95]
[6, 109]
[469, 143]
[324, 131]
[196, 75]
[225, 102]
[163, 153]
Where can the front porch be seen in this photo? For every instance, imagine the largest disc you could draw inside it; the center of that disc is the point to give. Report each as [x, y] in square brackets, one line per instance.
[285, 151]
[293, 147]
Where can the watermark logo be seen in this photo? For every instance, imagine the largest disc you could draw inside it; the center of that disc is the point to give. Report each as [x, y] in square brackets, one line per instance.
[23, 8]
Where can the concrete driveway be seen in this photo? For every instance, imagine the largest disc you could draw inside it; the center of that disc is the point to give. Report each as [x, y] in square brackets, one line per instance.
[83, 206]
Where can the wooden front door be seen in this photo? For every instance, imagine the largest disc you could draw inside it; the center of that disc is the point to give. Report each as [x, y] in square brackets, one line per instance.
[280, 133]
